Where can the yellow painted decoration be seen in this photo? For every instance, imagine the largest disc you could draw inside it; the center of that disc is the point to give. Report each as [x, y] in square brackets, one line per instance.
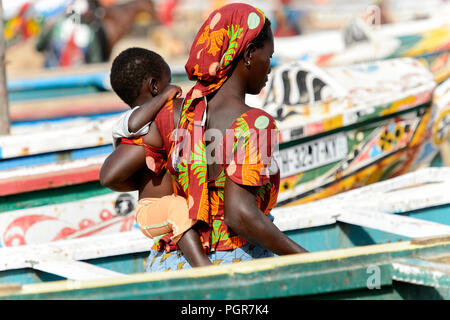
[364, 177]
[420, 133]
[398, 104]
[432, 40]
[290, 182]
[333, 123]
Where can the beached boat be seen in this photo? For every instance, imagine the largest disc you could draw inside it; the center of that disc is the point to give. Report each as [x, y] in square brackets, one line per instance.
[336, 14]
[68, 81]
[358, 42]
[389, 240]
[53, 170]
[345, 127]
[359, 136]
[108, 213]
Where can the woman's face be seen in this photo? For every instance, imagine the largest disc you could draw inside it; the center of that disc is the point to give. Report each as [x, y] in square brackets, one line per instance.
[260, 66]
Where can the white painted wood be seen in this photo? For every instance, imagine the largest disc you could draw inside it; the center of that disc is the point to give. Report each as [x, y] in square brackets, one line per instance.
[412, 191]
[72, 270]
[44, 169]
[94, 216]
[353, 207]
[421, 272]
[304, 216]
[44, 139]
[392, 223]
[75, 249]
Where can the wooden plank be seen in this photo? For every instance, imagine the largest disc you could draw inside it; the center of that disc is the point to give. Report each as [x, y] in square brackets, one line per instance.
[72, 270]
[308, 215]
[75, 249]
[422, 272]
[52, 175]
[285, 276]
[39, 140]
[95, 215]
[102, 102]
[401, 225]
[430, 240]
[416, 178]
[411, 191]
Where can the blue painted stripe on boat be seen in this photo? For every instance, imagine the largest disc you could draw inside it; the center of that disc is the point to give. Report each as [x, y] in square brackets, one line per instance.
[97, 79]
[100, 116]
[52, 157]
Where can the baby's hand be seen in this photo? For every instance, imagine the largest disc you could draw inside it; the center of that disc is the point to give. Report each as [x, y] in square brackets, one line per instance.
[171, 92]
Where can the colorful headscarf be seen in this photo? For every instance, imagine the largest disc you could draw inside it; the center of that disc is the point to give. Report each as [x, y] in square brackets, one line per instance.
[222, 38]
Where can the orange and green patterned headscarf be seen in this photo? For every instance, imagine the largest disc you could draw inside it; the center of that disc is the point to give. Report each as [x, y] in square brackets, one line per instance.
[221, 39]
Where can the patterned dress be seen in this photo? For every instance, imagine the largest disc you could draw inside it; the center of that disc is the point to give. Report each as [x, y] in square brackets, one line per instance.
[247, 160]
[244, 150]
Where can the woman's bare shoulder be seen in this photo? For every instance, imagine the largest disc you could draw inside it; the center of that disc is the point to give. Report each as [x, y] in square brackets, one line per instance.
[226, 114]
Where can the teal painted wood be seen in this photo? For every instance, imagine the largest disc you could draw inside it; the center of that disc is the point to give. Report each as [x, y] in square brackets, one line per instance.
[323, 238]
[343, 235]
[51, 93]
[342, 276]
[422, 272]
[51, 196]
[326, 237]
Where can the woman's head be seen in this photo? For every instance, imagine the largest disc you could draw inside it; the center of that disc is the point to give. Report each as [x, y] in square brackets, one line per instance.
[220, 43]
[256, 59]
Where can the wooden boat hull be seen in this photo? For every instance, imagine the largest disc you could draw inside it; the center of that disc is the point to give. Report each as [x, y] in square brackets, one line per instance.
[389, 271]
[35, 173]
[406, 257]
[327, 147]
[427, 40]
[109, 213]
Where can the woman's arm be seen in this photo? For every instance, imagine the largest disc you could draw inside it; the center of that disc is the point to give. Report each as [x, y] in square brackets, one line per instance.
[147, 112]
[245, 218]
[119, 167]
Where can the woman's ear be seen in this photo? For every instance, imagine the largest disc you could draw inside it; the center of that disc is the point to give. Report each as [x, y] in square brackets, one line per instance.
[248, 55]
[153, 86]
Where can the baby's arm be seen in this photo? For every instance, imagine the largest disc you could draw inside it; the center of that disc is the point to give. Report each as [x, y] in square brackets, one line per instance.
[147, 112]
[136, 122]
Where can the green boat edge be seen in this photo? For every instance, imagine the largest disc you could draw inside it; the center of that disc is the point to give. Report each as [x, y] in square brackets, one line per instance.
[369, 272]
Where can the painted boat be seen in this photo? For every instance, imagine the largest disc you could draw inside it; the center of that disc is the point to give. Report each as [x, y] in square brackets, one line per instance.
[108, 213]
[403, 254]
[67, 81]
[358, 42]
[336, 14]
[85, 91]
[35, 173]
[66, 95]
[346, 127]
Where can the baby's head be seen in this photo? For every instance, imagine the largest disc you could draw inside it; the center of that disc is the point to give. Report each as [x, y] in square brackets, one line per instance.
[138, 72]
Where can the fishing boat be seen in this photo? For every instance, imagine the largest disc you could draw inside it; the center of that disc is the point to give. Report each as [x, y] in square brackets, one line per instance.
[49, 183]
[363, 135]
[336, 14]
[346, 127]
[428, 40]
[66, 93]
[389, 240]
